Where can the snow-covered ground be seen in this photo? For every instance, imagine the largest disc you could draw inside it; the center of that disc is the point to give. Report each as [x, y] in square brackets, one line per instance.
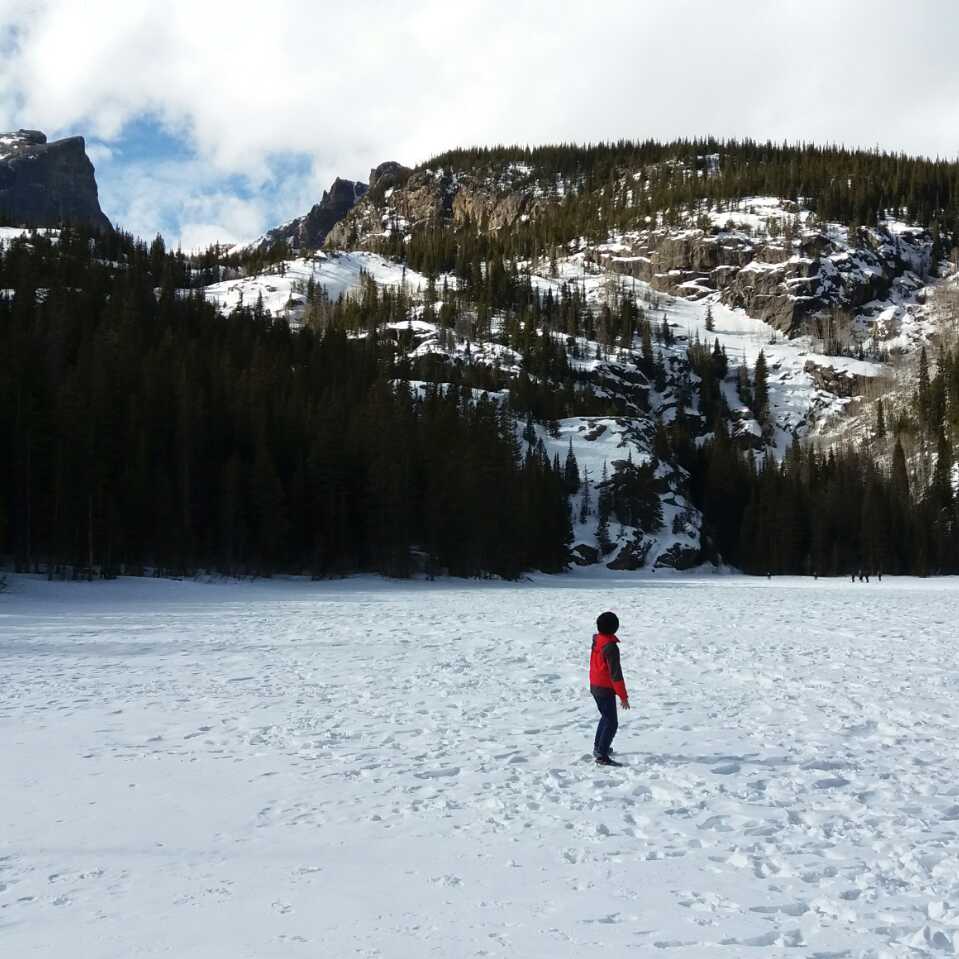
[367, 768]
[284, 293]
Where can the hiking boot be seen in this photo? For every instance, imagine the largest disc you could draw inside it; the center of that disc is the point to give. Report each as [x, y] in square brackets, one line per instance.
[606, 761]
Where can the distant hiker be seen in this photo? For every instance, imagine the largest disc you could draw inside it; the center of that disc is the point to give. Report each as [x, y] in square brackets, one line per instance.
[606, 683]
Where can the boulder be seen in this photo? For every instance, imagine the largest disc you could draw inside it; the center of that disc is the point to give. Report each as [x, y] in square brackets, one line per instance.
[678, 556]
[838, 382]
[584, 555]
[632, 555]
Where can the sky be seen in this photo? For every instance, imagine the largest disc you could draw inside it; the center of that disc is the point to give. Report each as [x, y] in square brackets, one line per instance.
[213, 121]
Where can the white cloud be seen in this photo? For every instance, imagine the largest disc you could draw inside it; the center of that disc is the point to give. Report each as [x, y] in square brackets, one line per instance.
[185, 200]
[99, 153]
[354, 84]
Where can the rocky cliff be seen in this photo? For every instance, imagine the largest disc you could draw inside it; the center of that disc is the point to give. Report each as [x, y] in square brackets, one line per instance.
[794, 284]
[400, 200]
[47, 184]
[770, 257]
[309, 231]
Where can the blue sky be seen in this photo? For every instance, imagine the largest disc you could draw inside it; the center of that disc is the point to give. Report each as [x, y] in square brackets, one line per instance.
[140, 173]
[217, 120]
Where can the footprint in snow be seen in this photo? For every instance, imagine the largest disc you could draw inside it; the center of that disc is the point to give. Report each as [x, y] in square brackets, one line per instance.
[833, 783]
[438, 773]
[727, 769]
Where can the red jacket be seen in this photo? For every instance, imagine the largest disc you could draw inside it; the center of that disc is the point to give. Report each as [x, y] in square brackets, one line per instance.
[604, 668]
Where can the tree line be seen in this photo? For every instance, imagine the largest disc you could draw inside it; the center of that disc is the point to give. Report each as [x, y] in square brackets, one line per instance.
[142, 429]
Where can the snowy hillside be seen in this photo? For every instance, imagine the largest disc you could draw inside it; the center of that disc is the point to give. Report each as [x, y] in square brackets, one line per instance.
[810, 391]
[214, 771]
[644, 301]
[780, 264]
[801, 402]
[600, 443]
[283, 289]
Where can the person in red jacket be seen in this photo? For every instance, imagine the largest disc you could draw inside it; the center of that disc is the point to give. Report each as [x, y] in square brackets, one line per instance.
[606, 683]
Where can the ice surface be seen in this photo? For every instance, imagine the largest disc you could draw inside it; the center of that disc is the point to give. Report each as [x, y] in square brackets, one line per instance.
[366, 768]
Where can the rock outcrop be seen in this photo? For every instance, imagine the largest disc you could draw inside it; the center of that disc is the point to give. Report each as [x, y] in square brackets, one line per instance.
[400, 199]
[794, 289]
[47, 184]
[308, 232]
[794, 284]
[839, 382]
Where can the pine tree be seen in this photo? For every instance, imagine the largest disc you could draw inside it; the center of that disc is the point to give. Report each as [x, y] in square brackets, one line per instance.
[720, 362]
[666, 333]
[900, 476]
[604, 510]
[571, 470]
[743, 386]
[710, 324]
[649, 358]
[529, 430]
[941, 490]
[760, 389]
[659, 374]
[880, 421]
[585, 501]
[923, 395]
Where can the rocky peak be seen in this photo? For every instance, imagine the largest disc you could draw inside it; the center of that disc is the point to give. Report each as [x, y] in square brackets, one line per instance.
[390, 170]
[308, 232]
[47, 183]
[20, 140]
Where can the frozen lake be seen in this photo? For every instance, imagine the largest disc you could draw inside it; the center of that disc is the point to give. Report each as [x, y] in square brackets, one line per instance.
[402, 770]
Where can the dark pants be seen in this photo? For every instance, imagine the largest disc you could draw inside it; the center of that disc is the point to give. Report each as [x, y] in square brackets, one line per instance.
[608, 720]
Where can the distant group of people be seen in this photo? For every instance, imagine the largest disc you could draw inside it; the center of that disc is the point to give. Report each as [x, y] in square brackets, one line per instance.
[862, 575]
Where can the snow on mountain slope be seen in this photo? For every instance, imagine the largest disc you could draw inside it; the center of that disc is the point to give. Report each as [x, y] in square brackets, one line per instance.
[8, 233]
[777, 261]
[810, 392]
[283, 290]
[799, 405]
[600, 442]
[216, 771]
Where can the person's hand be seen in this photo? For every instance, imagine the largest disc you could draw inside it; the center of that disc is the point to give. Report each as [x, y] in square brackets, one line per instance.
[625, 704]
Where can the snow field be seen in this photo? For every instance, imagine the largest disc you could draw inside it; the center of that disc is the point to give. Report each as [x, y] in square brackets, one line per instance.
[338, 273]
[377, 769]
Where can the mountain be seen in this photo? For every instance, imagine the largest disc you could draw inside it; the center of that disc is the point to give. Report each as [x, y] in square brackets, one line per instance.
[663, 278]
[309, 231]
[771, 256]
[633, 355]
[47, 184]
